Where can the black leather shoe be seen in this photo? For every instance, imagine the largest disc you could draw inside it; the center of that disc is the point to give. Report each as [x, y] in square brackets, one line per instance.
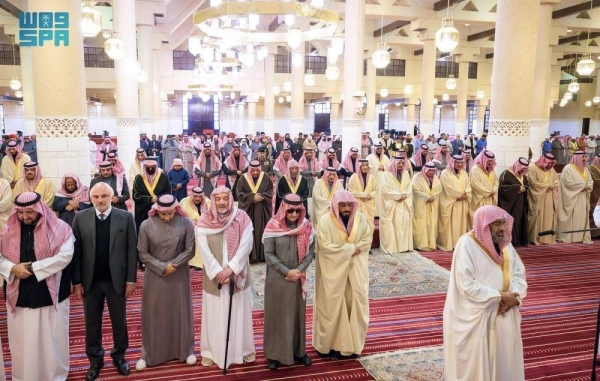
[94, 371]
[272, 364]
[142, 267]
[122, 367]
[323, 354]
[304, 360]
[335, 355]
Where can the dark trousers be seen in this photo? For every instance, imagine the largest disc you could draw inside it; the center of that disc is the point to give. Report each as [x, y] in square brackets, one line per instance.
[93, 308]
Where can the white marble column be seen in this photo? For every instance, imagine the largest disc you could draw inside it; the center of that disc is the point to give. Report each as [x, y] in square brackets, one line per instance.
[513, 80]
[541, 110]
[61, 122]
[335, 118]
[240, 125]
[251, 122]
[27, 79]
[371, 120]
[297, 120]
[428, 87]
[410, 116]
[126, 84]
[146, 93]
[481, 108]
[461, 100]
[353, 69]
[159, 117]
[269, 99]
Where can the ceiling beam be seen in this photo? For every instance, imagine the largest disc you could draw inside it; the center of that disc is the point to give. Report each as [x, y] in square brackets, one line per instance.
[443, 4]
[568, 11]
[481, 35]
[581, 37]
[390, 28]
[8, 7]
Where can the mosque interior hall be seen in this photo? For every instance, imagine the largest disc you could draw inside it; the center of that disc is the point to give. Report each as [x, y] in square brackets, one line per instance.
[521, 76]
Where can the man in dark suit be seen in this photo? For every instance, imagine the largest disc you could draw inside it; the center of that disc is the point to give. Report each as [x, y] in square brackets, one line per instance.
[104, 268]
[117, 182]
[155, 149]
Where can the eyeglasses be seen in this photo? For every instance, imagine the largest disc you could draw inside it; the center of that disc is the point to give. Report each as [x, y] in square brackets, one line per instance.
[292, 211]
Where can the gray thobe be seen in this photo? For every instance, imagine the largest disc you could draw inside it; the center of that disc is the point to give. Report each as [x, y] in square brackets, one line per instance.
[285, 309]
[167, 320]
[170, 153]
[207, 185]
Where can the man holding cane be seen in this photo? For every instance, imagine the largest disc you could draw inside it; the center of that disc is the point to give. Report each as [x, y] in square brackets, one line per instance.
[224, 236]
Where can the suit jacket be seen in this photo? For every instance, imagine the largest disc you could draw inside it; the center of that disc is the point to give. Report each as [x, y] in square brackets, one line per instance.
[152, 145]
[122, 248]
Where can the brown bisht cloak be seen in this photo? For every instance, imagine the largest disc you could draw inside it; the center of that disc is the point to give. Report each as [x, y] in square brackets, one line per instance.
[516, 204]
[259, 212]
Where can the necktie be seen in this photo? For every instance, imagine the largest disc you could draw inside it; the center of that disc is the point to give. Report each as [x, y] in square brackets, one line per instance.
[102, 216]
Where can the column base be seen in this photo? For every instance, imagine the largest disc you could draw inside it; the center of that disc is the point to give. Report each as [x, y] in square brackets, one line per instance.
[269, 128]
[296, 127]
[128, 139]
[539, 131]
[509, 139]
[426, 127]
[63, 147]
[352, 136]
[460, 127]
[147, 125]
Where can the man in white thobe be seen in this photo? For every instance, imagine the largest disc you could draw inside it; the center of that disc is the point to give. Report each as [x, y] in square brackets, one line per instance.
[364, 188]
[224, 234]
[35, 247]
[482, 321]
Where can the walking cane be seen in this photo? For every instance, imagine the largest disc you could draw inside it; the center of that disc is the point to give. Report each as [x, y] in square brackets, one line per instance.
[552, 232]
[231, 291]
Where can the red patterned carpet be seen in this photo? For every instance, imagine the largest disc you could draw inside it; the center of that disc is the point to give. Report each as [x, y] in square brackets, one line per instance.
[559, 313]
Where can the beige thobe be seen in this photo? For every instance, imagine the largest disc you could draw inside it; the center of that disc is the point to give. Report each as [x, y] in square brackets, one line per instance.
[395, 220]
[484, 188]
[374, 163]
[574, 204]
[341, 308]
[543, 188]
[365, 197]
[322, 199]
[454, 218]
[425, 217]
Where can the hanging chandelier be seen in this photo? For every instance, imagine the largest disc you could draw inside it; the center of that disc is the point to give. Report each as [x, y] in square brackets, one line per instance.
[447, 37]
[337, 43]
[408, 89]
[568, 96]
[596, 100]
[230, 21]
[451, 83]
[15, 84]
[114, 47]
[381, 57]
[332, 55]
[586, 65]
[588, 103]
[287, 85]
[195, 45]
[288, 98]
[332, 72]
[276, 90]
[480, 94]
[19, 94]
[309, 78]
[573, 86]
[280, 100]
[445, 97]
[91, 20]
[384, 92]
